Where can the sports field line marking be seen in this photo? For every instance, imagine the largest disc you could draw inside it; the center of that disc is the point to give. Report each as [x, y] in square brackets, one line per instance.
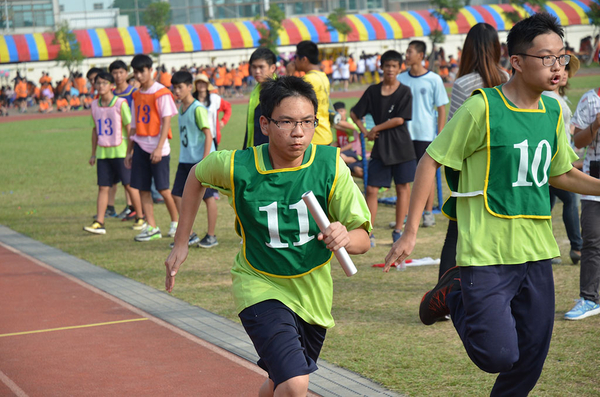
[39, 331]
[12, 385]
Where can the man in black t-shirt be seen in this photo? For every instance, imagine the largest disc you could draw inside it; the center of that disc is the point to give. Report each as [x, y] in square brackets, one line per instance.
[393, 155]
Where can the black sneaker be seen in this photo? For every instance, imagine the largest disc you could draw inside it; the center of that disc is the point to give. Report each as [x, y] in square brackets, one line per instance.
[110, 213]
[433, 305]
[575, 257]
[208, 242]
[193, 240]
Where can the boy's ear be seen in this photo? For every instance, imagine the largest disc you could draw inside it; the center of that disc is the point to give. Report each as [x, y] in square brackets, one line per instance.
[515, 62]
[264, 123]
[272, 69]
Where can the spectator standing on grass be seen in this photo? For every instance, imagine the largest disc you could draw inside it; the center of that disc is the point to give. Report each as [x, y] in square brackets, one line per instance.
[586, 121]
[111, 118]
[508, 144]
[393, 155]
[307, 61]
[429, 96]
[196, 143]
[148, 153]
[282, 284]
[215, 105]
[479, 68]
[122, 89]
[263, 64]
[570, 200]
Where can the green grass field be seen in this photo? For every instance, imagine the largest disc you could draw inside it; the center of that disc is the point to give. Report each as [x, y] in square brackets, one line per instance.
[48, 192]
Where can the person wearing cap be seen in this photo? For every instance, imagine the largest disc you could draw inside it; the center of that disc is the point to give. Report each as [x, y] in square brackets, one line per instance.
[203, 92]
[569, 199]
[586, 123]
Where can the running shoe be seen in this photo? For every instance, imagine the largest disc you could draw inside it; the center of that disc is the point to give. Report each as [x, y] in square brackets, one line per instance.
[139, 224]
[428, 219]
[575, 256]
[372, 239]
[132, 215]
[110, 213]
[396, 235]
[172, 229]
[208, 241]
[433, 305]
[193, 240]
[96, 228]
[584, 308]
[124, 213]
[149, 233]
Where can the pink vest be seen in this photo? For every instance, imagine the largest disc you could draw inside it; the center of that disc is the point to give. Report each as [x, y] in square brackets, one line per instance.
[108, 123]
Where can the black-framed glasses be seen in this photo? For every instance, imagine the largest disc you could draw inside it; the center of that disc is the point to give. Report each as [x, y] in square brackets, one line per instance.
[550, 60]
[288, 125]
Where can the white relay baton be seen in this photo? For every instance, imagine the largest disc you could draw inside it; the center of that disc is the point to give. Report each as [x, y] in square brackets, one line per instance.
[323, 223]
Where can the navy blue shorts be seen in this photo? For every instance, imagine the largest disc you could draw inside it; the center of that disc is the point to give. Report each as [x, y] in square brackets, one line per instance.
[351, 154]
[183, 170]
[142, 171]
[111, 171]
[287, 345]
[380, 175]
[420, 148]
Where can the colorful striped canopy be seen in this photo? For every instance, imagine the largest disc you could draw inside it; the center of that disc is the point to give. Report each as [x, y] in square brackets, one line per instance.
[96, 43]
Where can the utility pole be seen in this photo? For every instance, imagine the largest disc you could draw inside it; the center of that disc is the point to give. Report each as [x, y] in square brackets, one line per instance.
[6, 16]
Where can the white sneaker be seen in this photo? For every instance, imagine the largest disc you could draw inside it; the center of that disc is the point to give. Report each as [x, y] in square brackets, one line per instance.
[149, 233]
[173, 229]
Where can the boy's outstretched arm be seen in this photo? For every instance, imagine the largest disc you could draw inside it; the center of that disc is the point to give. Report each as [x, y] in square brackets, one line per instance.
[577, 182]
[424, 179]
[193, 192]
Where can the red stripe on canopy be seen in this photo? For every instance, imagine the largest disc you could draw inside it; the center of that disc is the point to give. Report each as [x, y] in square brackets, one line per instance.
[321, 28]
[22, 47]
[116, 41]
[85, 43]
[292, 31]
[147, 47]
[377, 27]
[205, 40]
[175, 40]
[485, 14]
[407, 28]
[352, 36]
[235, 37]
[52, 48]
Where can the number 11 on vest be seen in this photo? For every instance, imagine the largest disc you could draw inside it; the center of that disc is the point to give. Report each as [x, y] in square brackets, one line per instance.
[317, 212]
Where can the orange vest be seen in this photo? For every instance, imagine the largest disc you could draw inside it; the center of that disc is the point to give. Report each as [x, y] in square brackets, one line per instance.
[228, 79]
[61, 103]
[237, 78]
[147, 121]
[165, 79]
[21, 89]
[353, 66]
[44, 105]
[75, 102]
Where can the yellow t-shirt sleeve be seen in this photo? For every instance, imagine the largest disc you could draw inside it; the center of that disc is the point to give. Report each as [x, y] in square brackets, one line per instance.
[347, 204]
[462, 136]
[215, 171]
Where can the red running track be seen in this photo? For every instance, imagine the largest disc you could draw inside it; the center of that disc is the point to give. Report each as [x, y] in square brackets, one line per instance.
[60, 336]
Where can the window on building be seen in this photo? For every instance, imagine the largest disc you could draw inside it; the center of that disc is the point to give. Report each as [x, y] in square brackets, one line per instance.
[98, 6]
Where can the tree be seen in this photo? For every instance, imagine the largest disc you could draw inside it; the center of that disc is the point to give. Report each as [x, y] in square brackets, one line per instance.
[157, 17]
[134, 9]
[515, 17]
[69, 55]
[270, 35]
[448, 11]
[337, 21]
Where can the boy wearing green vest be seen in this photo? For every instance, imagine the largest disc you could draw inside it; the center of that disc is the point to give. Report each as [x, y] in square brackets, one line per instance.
[262, 67]
[282, 283]
[508, 144]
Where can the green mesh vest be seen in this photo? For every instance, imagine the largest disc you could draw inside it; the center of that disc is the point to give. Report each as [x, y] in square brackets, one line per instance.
[521, 144]
[279, 234]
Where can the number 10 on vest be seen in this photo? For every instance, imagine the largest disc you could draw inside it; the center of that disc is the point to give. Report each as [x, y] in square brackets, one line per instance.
[323, 223]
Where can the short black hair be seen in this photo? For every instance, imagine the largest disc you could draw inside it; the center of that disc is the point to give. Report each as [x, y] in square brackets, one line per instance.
[521, 36]
[273, 91]
[391, 55]
[419, 45]
[118, 64]
[105, 76]
[93, 71]
[309, 50]
[182, 77]
[141, 61]
[339, 105]
[263, 53]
